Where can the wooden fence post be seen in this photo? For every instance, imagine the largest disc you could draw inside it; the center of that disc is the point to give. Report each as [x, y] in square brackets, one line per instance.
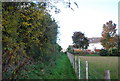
[79, 66]
[75, 64]
[87, 70]
[107, 75]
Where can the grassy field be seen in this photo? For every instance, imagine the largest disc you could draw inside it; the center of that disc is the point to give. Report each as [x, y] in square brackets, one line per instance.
[100, 64]
[87, 55]
[92, 55]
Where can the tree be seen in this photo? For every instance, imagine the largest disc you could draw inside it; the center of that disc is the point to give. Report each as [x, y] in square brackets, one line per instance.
[119, 43]
[50, 5]
[80, 41]
[109, 35]
[28, 34]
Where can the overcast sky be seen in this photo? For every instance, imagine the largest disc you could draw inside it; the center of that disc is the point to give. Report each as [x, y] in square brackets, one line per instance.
[88, 18]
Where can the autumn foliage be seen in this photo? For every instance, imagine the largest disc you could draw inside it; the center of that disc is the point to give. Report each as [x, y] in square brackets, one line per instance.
[29, 35]
[109, 35]
[110, 39]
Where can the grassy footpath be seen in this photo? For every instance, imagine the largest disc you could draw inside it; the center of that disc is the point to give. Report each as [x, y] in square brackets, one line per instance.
[61, 69]
[100, 64]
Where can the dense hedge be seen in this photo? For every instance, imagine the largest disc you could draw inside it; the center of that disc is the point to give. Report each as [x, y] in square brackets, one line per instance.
[110, 52]
[104, 52]
[29, 35]
[114, 52]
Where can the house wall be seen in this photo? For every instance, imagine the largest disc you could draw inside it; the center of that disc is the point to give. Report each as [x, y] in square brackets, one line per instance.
[93, 46]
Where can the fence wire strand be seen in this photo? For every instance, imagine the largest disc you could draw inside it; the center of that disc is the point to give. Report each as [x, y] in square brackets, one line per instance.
[92, 73]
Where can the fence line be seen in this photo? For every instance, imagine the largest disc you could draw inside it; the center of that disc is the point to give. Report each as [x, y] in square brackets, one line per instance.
[107, 75]
[79, 67]
[95, 72]
[84, 71]
[101, 76]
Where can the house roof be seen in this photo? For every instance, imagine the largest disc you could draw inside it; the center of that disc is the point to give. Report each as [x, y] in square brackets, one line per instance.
[94, 39]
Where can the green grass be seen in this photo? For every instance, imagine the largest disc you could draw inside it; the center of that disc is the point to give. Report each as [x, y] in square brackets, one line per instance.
[92, 55]
[100, 64]
[87, 54]
[61, 69]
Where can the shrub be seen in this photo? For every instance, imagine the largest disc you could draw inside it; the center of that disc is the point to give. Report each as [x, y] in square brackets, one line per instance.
[114, 52]
[104, 52]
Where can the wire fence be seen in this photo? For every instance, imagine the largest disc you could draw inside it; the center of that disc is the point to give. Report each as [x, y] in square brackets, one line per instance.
[84, 70]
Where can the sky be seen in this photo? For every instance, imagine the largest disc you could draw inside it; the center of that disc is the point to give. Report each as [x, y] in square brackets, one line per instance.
[88, 18]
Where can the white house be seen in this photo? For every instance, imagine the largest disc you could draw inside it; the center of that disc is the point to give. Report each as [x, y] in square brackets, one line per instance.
[94, 43]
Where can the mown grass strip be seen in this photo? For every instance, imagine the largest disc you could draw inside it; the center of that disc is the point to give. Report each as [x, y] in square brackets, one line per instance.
[100, 64]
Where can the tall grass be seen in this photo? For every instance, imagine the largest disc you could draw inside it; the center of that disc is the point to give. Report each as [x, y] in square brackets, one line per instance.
[59, 69]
